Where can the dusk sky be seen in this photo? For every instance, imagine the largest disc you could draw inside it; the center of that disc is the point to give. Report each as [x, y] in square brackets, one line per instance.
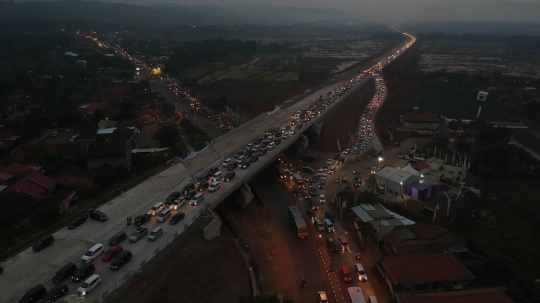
[391, 11]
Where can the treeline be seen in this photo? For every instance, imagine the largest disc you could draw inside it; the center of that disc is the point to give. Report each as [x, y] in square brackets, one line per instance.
[190, 54]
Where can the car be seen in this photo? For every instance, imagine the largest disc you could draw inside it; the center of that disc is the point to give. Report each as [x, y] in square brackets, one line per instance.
[176, 218]
[263, 152]
[202, 186]
[76, 222]
[332, 170]
[34, 294]
[216, 176]
[232, 165]
[112, 252]
[229, 176]
[56, 292]
[314, 191]
[238, 154]
[343, 242]
[177, 203]
[241, 158]
[314, 204]
[314, 178]
[156, 233]
[347, 151]
[336, 156]
[163, 216]
[328, 215]
[93, 252]
[325, 167]
[212, 171]
[296, 191]
[156, 209]
[254, 158]
[214, 186]
[174, 195]
[345, 274]
[271, 145]
[332, 246]
[190, 194]
[311, 214]
[227, 161]
[63, 273]
[322, 185]
[54, 134]
[43, 243]
[140, 220]
[96, 214]
[292, 132]
[121, 260]
[323, 177]
[320, 172]
[83, 272]
[322, 199]
[245, 164]
[329, 161]
[117, 238]
[138, 233]
[198, 198]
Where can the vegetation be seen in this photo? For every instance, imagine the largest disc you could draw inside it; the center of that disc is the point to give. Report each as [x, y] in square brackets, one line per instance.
[195, 137]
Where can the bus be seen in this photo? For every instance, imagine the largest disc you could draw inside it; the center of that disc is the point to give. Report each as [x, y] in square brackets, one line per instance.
[356, 295]
[297, 222]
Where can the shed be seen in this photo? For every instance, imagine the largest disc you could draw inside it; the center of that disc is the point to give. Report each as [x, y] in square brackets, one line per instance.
[421, 190]
[435, 164]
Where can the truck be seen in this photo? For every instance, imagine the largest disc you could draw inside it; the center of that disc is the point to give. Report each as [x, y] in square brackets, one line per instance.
[298, 180]
[356, 295]
[297, 222]
[450, 178]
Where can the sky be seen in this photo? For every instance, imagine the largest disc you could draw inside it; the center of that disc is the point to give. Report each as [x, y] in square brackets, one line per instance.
[396, 11]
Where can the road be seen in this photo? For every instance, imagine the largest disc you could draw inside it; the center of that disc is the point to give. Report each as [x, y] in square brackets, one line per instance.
[34, 268]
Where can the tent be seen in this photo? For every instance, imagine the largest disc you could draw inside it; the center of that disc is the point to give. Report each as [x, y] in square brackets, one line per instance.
[411, 170]
[422, 167]
[398, 181]
[421, 190]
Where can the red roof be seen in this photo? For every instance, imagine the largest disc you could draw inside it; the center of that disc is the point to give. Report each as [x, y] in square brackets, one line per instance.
[420, 117]
[426, 231]
[93, 106]
[17, 168]
[148, 111]
[418, 166]
[447, 239]
[41, 179]
[30, 188]
[424, 269]
[392, 239]
[482, 295]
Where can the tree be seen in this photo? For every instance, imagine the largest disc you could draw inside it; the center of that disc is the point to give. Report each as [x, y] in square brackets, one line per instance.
[167, 135]
[264, 298]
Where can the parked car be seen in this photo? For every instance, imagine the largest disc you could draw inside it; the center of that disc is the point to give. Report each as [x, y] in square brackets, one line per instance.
[156, 233]
[176, 218]
[43, 243]
[96, 214]
[112, 252]
[76, 222]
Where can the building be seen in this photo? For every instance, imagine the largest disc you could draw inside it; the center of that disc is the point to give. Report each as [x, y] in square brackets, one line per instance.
[381, 219]
[423, 273]
[450, 243]
[113, 153]
[420, 121]
[106, 124]
[422, 167]
[35, 185]
[421, 190]
[480, 295]
[149, 115]
[394, 180]
[482, 96]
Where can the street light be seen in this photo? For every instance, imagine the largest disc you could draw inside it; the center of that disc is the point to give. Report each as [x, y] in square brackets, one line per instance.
[380, 160]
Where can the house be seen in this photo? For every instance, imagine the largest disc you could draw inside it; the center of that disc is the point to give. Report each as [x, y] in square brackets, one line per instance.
[148, 115]
[420, 120]
[423, 273]
[450, 243]
[480, 295]
[113, 153]
[35, 185]
[106, 124]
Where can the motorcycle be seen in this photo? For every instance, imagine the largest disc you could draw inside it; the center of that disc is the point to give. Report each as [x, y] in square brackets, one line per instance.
[358, 256]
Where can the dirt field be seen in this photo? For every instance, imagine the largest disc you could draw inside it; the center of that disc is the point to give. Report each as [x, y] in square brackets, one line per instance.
[191, 269]
[344, 120]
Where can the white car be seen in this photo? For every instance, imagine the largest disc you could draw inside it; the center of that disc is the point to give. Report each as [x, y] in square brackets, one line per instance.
[323, 177]
[214, 186]
[322, 199]
[292, 132]
[332, 170]
[329, 161]
[320, 172]
[285, 135]
[227, 161]
[271, 145]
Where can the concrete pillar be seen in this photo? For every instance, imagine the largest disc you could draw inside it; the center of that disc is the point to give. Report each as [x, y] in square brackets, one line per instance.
[212, 230]
[244, 194]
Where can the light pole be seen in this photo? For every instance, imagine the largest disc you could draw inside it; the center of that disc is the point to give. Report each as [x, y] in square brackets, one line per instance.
[380, 160]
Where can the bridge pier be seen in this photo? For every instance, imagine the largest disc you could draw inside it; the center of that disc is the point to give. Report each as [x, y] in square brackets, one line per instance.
[244, 194]
[212, 230]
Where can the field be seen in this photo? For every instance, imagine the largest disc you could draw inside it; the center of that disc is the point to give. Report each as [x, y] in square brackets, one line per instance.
[471, 56]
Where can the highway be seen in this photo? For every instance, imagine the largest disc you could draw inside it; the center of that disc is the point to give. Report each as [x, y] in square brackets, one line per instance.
[29, 268]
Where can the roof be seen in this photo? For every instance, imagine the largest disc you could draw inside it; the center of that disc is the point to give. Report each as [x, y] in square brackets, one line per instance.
[106, 131]
[481, 295]
[424, 269]
[448, 239]
[434, 160]
[106, 149]
[41, 179]
[17, 168]
[420, 117]
[418, 166]
[107, 123]
[93, 106]
[149, 111]
[417, 248]
[28, 187]
[392, 238]
[421, 184]
[426, 231]
[400, 177]
[126, 123]
[386, 171]
[5, 176]
[405, 234]
[410, 169]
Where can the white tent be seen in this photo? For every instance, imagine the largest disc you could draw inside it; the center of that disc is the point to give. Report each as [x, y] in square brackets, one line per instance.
[411, 170]
[399, 181]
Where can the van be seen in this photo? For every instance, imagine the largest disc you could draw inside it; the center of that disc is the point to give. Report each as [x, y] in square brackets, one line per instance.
[360, 272]
[319, 224]
[34, 294]
[345, 274]
[117, 238]
[64, 273]
[94, 252]
[198, 198]
[156, 209]
[372, 299]
[177, 203]
[83, 272]
[216, 177]
[89, 285]
[43, 242]
[121, 260]
[329, 226]
[328, 215]
[164, 215]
